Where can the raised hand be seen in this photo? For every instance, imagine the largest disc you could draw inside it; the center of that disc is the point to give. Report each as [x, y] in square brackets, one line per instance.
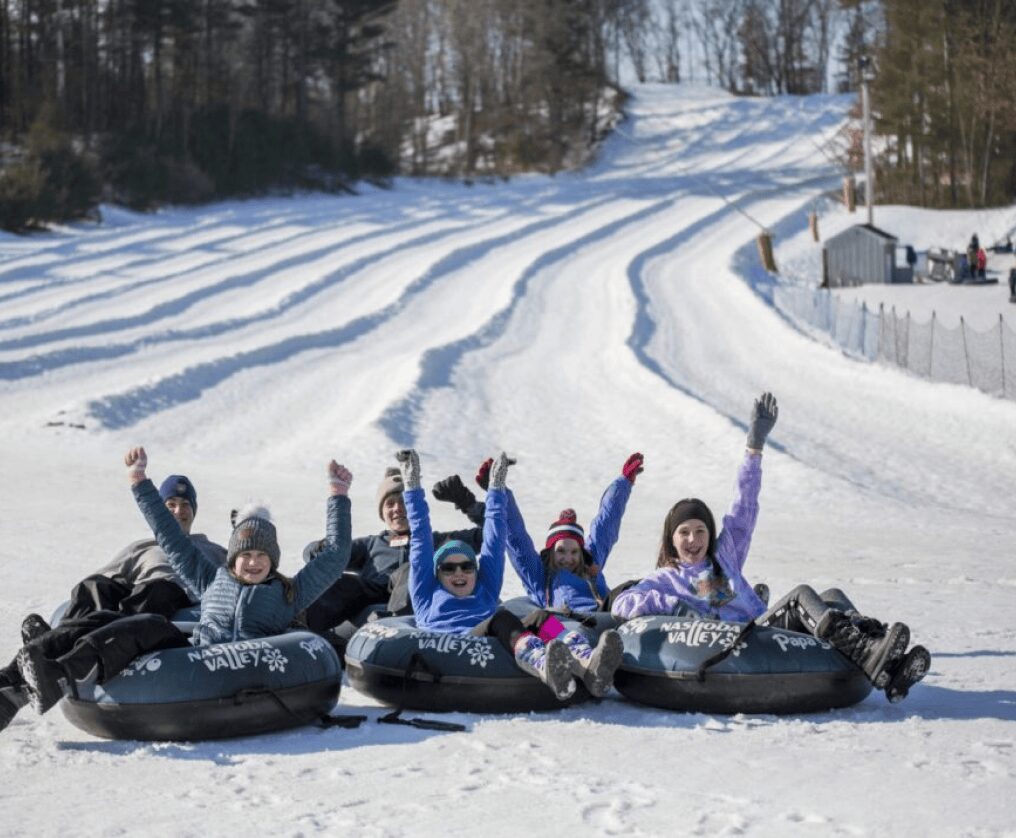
[499, 470]
[453, 490]
[409, 463]
[763, 418]
[633, 467]
[136, 461]
[339, 479]
[483, 472]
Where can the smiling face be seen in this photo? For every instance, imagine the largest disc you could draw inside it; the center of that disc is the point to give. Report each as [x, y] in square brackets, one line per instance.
[182, 511]
[691, 540]
[567, 555]
[393, 513]
[252, 566]
[457, 574]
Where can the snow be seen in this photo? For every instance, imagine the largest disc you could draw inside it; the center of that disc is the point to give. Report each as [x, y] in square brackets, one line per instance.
[571, 320]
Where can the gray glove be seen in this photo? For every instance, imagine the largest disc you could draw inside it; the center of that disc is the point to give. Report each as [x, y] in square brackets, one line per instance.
[763, 418]
[499, 471]
[409, 462]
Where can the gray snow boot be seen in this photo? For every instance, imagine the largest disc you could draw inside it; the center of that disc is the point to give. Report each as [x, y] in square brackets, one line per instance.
[551, 663]
[875, 653]
[596, 667]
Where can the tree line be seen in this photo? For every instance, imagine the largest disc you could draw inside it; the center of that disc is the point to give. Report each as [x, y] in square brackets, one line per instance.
[149, 101]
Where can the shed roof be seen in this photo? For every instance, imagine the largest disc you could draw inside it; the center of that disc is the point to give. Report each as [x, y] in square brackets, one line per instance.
[867, 229]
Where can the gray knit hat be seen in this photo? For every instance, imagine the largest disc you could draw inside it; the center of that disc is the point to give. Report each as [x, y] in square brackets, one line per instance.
[253, 530]
[390, 485]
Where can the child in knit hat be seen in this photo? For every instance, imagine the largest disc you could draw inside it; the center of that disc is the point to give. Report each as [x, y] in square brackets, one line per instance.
[701, 574]
[245, 599]
[456, 591]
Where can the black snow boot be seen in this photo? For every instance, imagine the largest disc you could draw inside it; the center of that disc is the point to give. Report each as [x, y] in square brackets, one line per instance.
[33, 626]
[761, 590]
[874, 653]
[13, 696]
[50, 680]
[907, 672]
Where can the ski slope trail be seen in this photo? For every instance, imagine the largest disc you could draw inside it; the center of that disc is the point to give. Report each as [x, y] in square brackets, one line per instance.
[570, 320]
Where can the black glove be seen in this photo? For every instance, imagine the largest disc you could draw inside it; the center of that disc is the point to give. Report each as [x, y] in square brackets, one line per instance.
[763, 418]
[453, 490]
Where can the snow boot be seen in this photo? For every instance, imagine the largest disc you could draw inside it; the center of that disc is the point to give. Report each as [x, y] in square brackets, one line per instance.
[595, 667]
[551, 663]
[33, 626]
[13, 696]
[875, 653]
[911, 669]
[761, 590]
[48, 680]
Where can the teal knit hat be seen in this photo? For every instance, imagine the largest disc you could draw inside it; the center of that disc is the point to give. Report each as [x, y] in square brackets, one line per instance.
[454, 548]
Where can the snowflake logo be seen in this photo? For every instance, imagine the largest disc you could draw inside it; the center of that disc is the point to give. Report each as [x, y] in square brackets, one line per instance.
[276, 660]
[635, 626]
[379, 631]
[312, 647]
[480, 653]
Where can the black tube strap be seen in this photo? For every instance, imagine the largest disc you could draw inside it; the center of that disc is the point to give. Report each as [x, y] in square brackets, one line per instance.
[394, 718]
[323, 721]
[723, 654]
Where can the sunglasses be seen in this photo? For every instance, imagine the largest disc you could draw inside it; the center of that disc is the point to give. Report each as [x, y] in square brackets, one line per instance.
[448, 568]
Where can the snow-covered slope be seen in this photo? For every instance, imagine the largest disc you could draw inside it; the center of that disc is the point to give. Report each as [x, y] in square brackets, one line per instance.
[570, 320]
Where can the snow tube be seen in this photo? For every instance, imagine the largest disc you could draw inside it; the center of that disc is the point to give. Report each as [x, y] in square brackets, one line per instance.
[213, 692]
[767, 670]
[402, 666]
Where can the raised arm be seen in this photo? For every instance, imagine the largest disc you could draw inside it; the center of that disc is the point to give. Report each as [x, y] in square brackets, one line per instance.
[315, 577]
[739, 523]
[606, 526]
[422, 580]
[491, 574]
[522, 552]
[453, 490]
[190, 564]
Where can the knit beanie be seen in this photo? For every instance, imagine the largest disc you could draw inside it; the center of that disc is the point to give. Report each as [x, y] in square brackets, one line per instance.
[453, 548]
[566, 526]
[178, 486]
[689, 509]
[391, 484]
[253, 530]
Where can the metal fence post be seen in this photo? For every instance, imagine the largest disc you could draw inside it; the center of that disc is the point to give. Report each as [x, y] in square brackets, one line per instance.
[1001, 347]
[966, 354]
[864, 318]
[931, 346]
[881, 321]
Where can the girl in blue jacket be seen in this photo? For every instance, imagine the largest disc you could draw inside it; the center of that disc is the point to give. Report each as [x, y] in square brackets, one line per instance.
[455, 591]
[244, 599]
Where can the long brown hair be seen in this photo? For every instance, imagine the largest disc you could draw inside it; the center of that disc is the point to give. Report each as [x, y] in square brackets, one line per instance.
[684, 510]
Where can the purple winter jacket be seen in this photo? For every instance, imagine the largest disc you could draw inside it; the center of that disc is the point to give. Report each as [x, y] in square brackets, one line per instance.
[664, 590]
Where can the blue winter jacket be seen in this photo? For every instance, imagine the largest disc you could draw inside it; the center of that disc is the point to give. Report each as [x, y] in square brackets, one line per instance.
[567, 589]
[230, 609]
[435, 608]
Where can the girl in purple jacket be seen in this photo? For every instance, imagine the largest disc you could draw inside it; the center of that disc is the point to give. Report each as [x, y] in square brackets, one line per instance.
[701, 574]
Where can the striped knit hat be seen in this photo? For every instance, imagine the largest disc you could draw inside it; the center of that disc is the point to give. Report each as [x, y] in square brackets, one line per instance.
[566, 526]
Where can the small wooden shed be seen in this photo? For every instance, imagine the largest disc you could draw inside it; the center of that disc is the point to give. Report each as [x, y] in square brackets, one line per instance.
[862, 254]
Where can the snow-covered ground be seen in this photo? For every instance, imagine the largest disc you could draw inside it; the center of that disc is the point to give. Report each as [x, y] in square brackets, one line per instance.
[570, 320]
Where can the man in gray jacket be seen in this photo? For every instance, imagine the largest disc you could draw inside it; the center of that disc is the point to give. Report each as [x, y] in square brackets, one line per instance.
[139, 580]
[379, 562]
